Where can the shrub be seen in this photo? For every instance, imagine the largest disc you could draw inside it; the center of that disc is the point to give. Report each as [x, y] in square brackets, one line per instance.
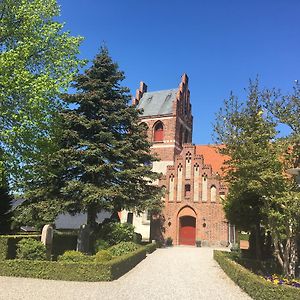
[31, 249]
[123, 248]
[102, 256]
[169, 242]
[115, 233]
[8, 245]
[75, 256]
[258, 288]
[76, 271]
[150, 247]
[137, 238]
[100, 245]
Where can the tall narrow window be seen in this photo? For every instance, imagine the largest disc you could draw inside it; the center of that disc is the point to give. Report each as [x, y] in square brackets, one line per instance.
[213, 193]
[204, 187]
[158, 134]
[196, 183]
[130, 218]
[179, 183]
[171, 188]
[188, 165]
[187, 190]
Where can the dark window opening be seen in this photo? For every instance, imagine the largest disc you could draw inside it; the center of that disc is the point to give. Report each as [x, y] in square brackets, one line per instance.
[130, 218]
[187, 190]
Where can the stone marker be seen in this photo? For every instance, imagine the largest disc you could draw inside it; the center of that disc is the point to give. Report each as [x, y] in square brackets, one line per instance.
[83, 238]
[47, 239]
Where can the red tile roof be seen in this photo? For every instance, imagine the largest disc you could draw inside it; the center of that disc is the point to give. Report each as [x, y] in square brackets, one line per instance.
[212, 157]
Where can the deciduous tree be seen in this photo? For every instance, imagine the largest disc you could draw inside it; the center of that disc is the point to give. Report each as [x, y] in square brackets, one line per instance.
[253, 171]
[37, 60]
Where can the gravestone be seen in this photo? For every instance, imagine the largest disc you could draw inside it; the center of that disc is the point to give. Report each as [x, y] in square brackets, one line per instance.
[83, 239]
[47, 239]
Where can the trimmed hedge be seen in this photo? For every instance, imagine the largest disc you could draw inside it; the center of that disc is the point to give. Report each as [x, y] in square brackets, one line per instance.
[258, 288]
[151, 247]
[73, 271]
[62, 241]
[8, 244]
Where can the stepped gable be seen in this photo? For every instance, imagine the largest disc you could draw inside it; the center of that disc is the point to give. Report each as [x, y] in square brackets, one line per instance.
[212, 157]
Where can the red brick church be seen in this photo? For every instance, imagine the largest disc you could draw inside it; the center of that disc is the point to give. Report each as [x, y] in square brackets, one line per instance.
[191, 173]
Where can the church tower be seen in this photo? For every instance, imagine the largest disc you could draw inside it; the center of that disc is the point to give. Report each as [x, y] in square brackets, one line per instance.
[194, 191]
[168, 115]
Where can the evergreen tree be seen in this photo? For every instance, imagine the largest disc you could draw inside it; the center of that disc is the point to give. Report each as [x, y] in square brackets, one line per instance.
[104, 161]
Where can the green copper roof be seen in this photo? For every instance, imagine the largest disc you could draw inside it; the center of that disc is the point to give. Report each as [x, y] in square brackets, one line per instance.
[157, 103]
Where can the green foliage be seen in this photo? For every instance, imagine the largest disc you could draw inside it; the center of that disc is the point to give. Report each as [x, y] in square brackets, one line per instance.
[102, 255]
[75, 256]
[253, 169]
[169, 242]
[243, 236]
[31, 249]
[100, 245]
[150, 247]
[79, 271]
[103, 157]
[8, 245]
[5, 204]
[123, 248]
[115, 232]
[37, 60]
[256, 287]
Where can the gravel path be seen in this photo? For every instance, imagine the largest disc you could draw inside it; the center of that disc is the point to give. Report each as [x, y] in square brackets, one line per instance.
[173, 273]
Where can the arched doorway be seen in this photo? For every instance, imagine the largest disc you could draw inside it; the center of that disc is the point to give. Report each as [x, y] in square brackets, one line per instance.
[187, 230]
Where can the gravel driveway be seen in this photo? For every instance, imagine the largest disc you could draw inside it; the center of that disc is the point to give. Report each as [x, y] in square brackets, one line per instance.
[173, 273]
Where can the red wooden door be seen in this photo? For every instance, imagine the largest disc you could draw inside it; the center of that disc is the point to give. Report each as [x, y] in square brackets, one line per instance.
[187, 231]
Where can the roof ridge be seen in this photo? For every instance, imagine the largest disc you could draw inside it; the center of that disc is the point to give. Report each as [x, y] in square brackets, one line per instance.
[160, 91]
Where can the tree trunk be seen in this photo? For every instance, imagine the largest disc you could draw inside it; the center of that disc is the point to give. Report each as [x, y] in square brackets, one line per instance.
[258, 247]
[91, 216]
[290, 258]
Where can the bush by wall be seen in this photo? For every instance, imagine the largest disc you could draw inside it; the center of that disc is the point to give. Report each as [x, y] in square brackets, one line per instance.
[100, 245]
[258, 288]
[74, 256]
[8, 245]
[115, 232]
[31, 249]
[123, 248]
[73, 271]
[103, 255]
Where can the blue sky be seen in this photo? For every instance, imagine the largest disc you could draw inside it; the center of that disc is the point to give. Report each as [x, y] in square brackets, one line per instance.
[220, 44]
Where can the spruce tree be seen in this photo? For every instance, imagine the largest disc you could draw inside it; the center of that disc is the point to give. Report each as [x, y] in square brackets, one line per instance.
[104, 161]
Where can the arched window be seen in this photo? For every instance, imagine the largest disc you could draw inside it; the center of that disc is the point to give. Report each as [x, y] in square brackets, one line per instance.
[213, 193]
[158, 135]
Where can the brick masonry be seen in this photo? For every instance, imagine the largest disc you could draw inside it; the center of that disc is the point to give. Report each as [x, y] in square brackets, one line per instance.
[193, 187]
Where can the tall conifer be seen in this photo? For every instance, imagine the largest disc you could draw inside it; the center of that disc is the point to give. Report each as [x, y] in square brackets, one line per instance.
[104, 148]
